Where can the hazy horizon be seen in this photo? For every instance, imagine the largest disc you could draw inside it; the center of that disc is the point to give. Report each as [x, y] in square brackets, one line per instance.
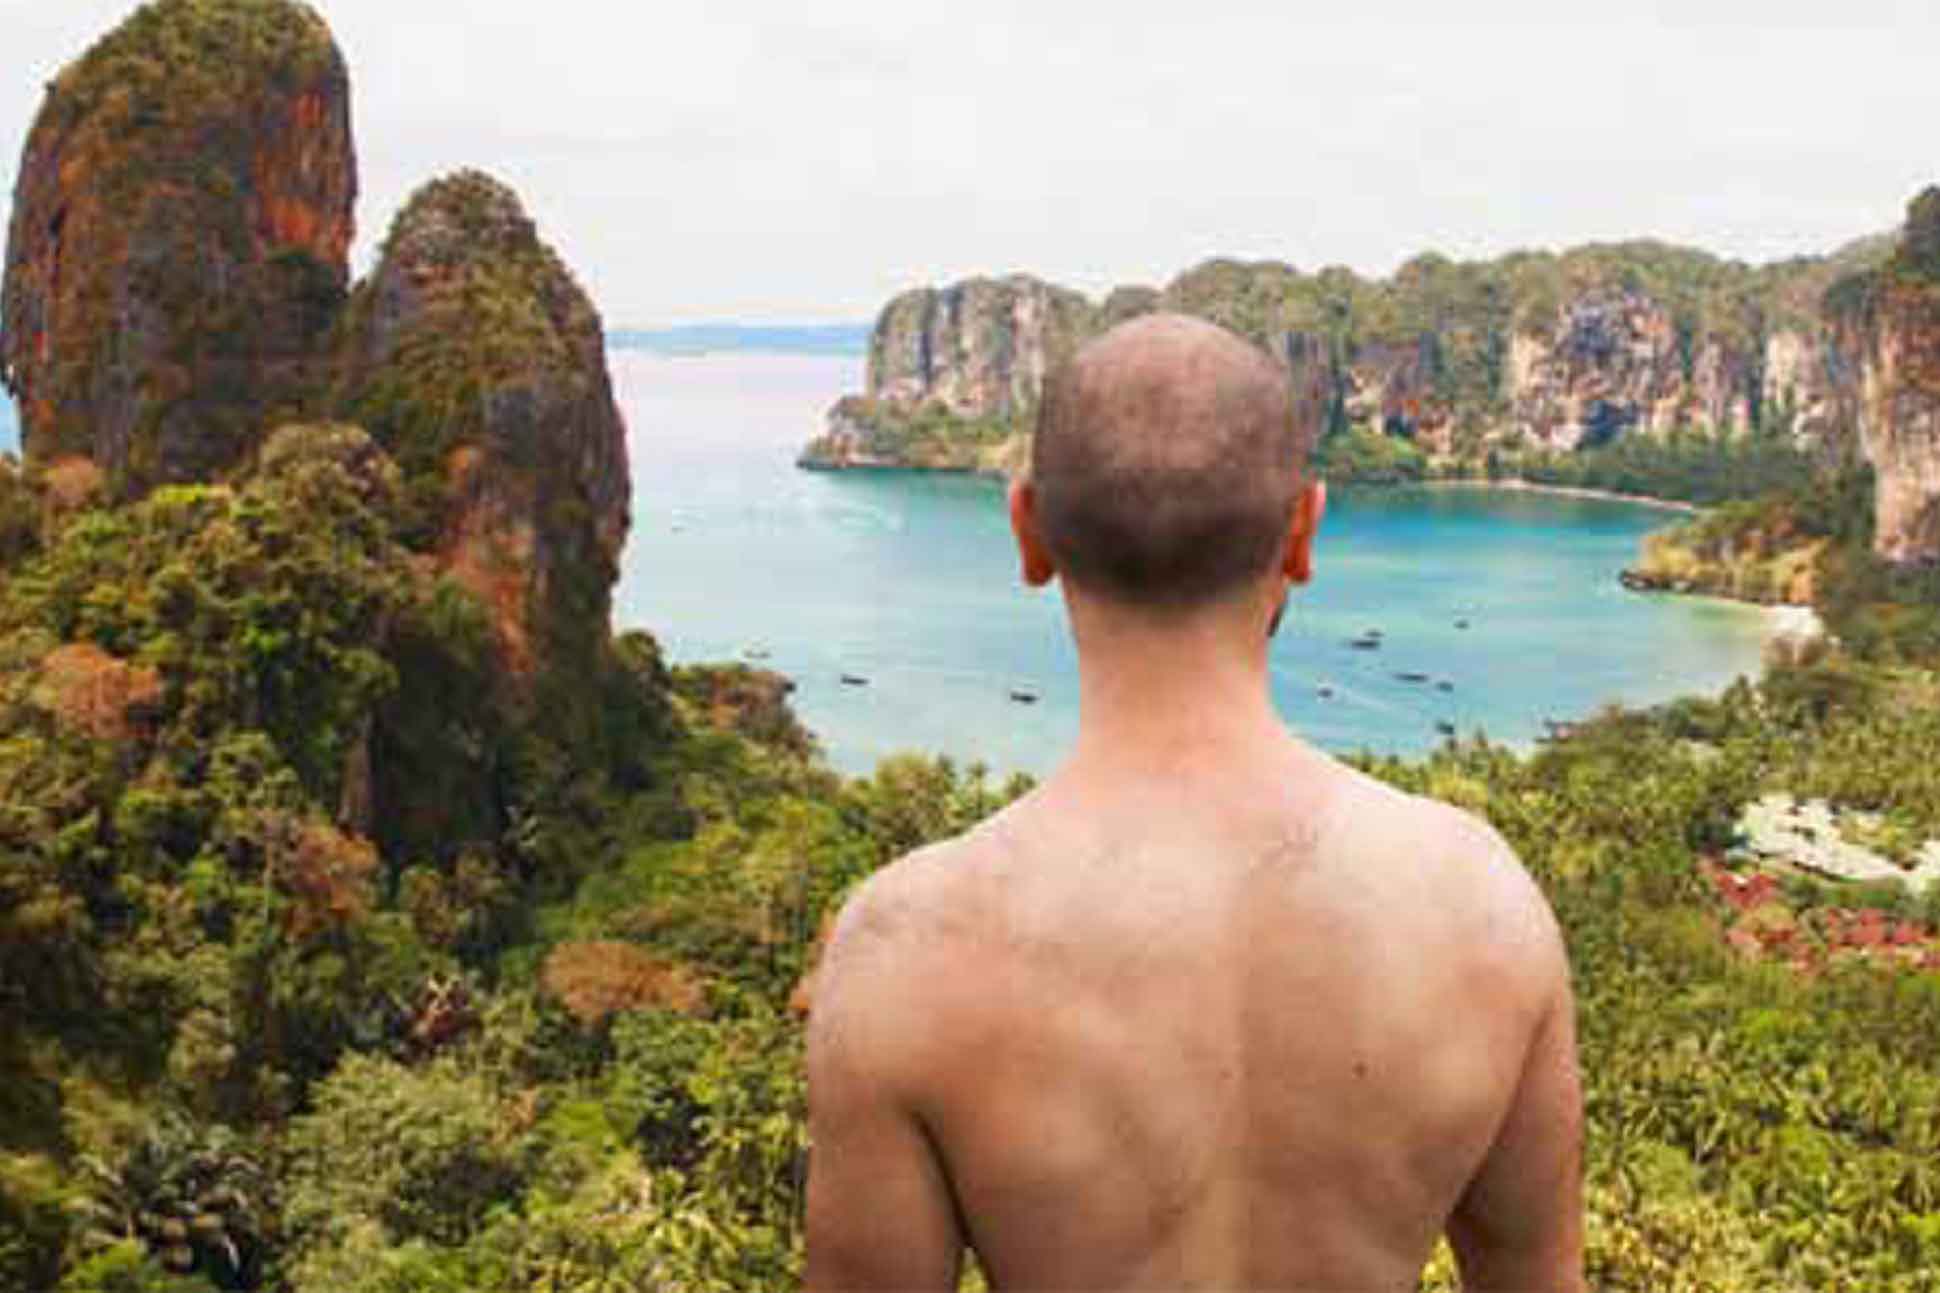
[760, 162]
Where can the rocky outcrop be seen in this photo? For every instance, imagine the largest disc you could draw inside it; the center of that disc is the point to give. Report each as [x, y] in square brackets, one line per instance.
[1390, 386]
[474, 358]
[955, 374]
[1762, 559]
[978, 348]
[1811, 385]
[1891, 322]
[1615, 362]
[864, 434]
[1530, 352]
[751, 702]
[178, 247]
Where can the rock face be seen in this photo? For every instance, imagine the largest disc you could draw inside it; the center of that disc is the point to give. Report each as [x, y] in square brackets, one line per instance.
[1811, 384]
[979, 348]
[1615, 362]
[179, 241]
[1532, 351]
[1894, 329]
[474, 358]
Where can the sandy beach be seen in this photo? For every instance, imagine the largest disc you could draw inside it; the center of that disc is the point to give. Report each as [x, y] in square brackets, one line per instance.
[1799, 622]
[1567, 491]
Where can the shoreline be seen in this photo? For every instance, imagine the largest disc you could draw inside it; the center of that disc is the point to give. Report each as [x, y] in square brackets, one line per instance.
[1516, 484]
[809, 461]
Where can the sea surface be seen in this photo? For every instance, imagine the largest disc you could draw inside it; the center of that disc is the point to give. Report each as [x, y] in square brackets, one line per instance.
[909, 581]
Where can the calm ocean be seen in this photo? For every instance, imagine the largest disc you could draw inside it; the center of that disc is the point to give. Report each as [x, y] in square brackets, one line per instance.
[908, 581]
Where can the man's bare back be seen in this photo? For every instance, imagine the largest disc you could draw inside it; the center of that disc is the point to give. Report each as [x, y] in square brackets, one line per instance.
[1208, 1010]
[1193, 1036]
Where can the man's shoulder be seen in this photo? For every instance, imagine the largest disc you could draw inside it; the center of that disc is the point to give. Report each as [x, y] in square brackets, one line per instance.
[897, 904]
[1460, 868]
[903, 914]
[1416, 825]
[891, 981]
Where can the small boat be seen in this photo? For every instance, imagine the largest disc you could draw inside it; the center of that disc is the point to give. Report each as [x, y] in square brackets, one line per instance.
[1324, 692]
[1411, 677]
[757, 653]
[1365, 643]
[1444, 685]
[854, 680]
[1024, 697]
[1555, 731]
[1461, 624]
[1445, 727]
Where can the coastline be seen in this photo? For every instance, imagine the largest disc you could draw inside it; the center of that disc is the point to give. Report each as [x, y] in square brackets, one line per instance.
[1516, 484]
[809, 460]
[892, 466]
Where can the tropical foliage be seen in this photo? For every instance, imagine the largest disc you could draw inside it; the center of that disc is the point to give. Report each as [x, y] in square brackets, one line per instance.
[249, 1045]
[1358, 455]
[1691, 465]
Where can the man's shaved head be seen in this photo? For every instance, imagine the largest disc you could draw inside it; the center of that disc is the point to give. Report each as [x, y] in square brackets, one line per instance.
[1166, 463]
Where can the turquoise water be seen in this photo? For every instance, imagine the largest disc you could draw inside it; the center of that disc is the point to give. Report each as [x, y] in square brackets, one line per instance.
[9, 425]
[909, 581]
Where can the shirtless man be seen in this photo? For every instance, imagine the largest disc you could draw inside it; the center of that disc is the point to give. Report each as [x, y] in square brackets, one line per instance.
[1208, 1010]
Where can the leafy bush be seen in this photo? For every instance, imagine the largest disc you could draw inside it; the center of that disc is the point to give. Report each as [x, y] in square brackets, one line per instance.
[424, 1153]
[1360, 456]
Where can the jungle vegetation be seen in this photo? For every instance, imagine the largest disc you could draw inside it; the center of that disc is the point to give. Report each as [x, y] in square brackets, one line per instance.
[247, 1047]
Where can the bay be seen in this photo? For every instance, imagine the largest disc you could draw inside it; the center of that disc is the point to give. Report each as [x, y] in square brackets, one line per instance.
[908, 581]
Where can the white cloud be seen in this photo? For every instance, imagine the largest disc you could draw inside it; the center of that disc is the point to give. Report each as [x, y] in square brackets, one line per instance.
[727, 158]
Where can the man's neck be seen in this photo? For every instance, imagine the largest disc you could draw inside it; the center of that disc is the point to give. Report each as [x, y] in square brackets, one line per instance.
[1171, 695]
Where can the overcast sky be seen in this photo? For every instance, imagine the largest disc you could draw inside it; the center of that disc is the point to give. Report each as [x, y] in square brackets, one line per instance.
[720, 159]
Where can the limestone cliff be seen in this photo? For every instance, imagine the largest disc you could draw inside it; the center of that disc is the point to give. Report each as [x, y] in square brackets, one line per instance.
[474, 358]
[1890, 320]
[1531, 351]
[1615, 361]
[954, 375]
[977, 348]
[179, 239]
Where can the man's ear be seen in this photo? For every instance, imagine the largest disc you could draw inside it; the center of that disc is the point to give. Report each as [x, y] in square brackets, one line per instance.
[1035, 559]
[1308, 509]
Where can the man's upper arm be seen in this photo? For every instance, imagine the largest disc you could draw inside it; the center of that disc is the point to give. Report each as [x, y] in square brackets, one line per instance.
[881, 1214]
[1519, 1224]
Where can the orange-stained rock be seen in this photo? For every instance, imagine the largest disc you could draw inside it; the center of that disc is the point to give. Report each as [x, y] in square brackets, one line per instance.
[474, 358]
[179, 241]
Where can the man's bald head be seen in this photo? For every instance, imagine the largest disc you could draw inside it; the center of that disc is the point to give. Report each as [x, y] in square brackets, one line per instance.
[1166, 464]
